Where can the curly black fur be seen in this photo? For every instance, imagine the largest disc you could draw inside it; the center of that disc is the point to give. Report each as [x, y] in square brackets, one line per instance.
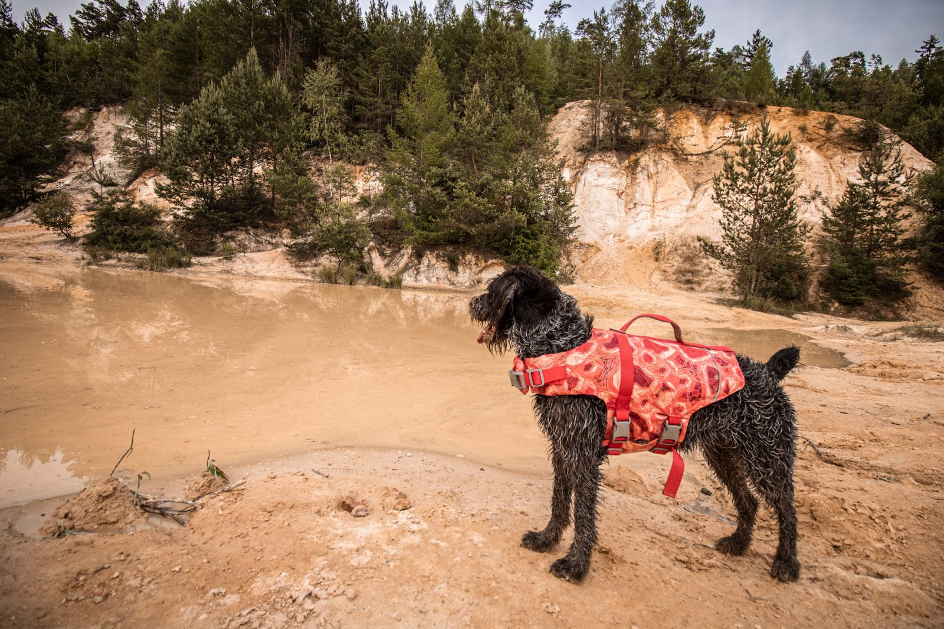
[747, 438]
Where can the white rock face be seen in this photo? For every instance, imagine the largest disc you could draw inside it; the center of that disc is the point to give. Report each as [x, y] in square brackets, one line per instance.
[662, 196]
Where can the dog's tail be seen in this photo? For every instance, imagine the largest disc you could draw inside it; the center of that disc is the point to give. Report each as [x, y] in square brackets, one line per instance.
[783, 361]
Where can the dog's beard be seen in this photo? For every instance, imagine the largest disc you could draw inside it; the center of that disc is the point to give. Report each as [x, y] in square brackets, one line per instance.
[486, 334]
[496, 340]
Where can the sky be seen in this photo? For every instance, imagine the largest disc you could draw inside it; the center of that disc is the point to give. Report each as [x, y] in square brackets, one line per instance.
[828, 28]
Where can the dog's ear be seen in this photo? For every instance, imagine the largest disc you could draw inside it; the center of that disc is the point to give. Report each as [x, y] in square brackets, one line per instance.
[506, 296]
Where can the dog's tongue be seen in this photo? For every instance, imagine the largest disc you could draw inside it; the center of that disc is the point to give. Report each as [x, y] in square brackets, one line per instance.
[485, 334]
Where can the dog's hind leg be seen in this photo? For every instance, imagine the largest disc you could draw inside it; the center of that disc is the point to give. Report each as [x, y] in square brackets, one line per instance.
[729, 468]
[773, 479]
[785, 566]
[540, 541]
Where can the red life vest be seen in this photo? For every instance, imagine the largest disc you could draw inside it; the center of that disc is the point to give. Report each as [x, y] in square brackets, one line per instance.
[649, 410]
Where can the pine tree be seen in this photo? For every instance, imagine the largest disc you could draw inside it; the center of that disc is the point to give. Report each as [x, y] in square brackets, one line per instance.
[680, 60]
[32, 141]
[324, 96]
[599, 36]
[864, 231]
[416, 173]
[762, 236]
[476, 132]
[233, 129]
[928, 195]
[759, 80]
[200, 161]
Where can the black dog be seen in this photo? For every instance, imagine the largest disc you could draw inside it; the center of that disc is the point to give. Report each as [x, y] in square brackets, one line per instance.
[747, 437]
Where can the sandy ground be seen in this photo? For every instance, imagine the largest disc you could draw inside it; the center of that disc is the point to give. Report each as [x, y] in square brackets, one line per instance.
[280, 551]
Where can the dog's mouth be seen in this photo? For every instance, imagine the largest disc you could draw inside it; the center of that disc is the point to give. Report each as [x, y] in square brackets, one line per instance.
[486, 334]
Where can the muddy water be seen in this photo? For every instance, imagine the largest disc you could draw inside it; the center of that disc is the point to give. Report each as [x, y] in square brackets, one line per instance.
[761, 344]
[247, 369]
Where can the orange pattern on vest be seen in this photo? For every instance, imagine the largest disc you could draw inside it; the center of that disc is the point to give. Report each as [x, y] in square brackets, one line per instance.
[669, 382]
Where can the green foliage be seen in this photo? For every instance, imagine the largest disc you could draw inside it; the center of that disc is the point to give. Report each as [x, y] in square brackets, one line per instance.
[227, 251]
[864, 232]
[32, 142]
[449, 106]
[928, 193]
[101, 176]
[922, 332]
[324, 96]
[327, 274]
[762, 236]
[478, 175]
[759, 80]
[161, 258]
[680, 58]
[341, 236]
[201, 157]
[122, 224]
[233, 129]
[55, 213]
[213, 469]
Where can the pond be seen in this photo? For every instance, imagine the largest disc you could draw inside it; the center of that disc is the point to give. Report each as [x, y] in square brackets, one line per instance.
[249, 370]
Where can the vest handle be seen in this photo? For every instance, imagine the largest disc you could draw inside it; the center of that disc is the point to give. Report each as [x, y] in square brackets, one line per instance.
[676, 329]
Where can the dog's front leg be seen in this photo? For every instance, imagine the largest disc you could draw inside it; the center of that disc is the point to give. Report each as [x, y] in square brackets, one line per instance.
[541, 541]
[574, 565]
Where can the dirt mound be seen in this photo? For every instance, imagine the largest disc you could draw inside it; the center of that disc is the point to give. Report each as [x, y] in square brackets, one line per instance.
[108, 505]
[203, 485]
[886, 370]
[624, 480]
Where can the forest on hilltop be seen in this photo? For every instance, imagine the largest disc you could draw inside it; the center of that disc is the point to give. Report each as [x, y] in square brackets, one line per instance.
[233, 98]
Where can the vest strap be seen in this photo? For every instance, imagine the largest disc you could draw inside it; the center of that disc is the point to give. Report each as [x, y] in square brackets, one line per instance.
[624, 393]
[677, 332]
[667, 442]
[523, 380]
[675, 475]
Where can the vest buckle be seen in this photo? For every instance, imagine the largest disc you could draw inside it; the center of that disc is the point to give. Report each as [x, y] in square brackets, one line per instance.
[531, 380]
[621, 431]
[669, 437]
[518, 380]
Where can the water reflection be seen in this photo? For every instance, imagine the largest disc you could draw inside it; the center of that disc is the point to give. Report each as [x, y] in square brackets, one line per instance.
[24, 478]
[247, 369]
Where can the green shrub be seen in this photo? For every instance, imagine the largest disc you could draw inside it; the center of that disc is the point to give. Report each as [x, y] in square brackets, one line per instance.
[340, 235]
[349, 274]
[761, 304]
[929, 242]
[55, 213]
[327, 274]
[102, 177]
[227, 251]
[373, 278]
[161, 258]
[923, 332]
[122, 224]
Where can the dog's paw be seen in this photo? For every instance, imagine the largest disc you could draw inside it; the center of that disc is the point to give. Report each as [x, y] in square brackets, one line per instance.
[733, 545]
[569, 569]
[785, 570]
[538, 541]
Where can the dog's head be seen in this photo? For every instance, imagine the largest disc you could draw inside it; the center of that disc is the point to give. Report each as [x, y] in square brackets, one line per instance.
[521, 297]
